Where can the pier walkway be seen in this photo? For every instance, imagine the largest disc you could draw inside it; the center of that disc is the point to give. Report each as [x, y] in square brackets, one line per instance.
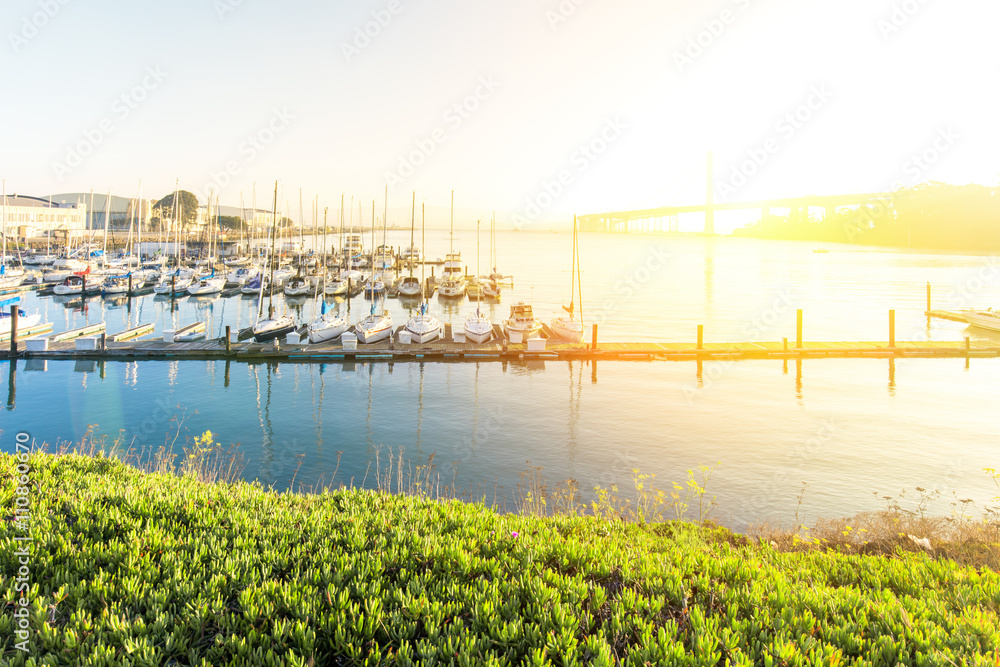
[497, 351]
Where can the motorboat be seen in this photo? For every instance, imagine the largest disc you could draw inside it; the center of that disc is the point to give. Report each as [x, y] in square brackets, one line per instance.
[241, 274]
[298, 286]
[451, 289]
[78, 284]
[335, 286]
[522, 321]
[210, 284]
[256, 285]
[985, 319]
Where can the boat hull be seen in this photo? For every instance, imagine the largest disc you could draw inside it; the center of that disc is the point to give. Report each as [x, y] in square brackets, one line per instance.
[567, 329]
[268, 330]
[322, 331]
[985, 319]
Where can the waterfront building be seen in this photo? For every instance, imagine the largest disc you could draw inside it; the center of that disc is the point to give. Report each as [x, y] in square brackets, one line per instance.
[26, 217]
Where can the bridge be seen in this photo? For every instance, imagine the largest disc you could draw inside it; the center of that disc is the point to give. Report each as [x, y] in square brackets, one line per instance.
[664, 218]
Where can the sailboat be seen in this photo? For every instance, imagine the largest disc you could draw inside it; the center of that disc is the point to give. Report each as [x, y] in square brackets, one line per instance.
[409, 288]
[375, 287]
[299, 284]
[491, 288]
[177, 282]
[272, 327]
[452, 287]
[478, 327]
[337, 284]
[9, 278]
[423, 327]
[377, 326]
[210, 284]
[567, 328]
[328, 326]
[24, 320]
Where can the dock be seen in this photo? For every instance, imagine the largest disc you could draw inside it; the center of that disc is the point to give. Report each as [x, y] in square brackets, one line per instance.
[501, 349]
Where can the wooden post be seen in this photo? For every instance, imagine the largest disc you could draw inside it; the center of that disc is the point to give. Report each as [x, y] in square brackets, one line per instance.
[593, 338]
[104, 341]
[13, 331]
[173, 285]
[784, 344]
[228, 343]
[798, 328]
[968, 344]
[928, 297]
[130, 283]
[701, 336]
[892, 328]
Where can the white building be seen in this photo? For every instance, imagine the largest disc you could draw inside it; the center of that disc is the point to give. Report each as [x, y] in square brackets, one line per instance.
[26, 217]
[123, 211]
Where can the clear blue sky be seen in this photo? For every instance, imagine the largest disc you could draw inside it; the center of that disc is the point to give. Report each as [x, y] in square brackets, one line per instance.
[625, 78]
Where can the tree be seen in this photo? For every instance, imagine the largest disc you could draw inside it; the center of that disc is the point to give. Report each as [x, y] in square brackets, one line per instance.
[187, 208]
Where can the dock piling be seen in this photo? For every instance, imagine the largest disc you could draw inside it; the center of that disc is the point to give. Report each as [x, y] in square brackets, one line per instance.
[798, 329]
[229, 344]
[928, 298]
[701, 336]
[13, 331]
[892, 328]
[104, 341]
[968, 344]
[593, 338]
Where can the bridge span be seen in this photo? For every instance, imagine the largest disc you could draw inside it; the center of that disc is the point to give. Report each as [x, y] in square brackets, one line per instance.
[664, 218]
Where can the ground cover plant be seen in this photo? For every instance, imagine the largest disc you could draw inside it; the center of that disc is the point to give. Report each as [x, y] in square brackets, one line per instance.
[190, 566]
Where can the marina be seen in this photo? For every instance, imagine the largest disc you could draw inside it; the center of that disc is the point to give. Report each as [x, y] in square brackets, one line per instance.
[698, 327]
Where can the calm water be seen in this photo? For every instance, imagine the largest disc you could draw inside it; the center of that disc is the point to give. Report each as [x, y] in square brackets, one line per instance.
[846, 427]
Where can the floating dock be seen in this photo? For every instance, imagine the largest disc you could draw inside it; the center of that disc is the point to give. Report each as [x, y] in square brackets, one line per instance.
[497, 350]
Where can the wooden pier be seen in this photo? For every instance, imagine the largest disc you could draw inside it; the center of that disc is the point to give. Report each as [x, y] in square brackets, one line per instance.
[497, 350]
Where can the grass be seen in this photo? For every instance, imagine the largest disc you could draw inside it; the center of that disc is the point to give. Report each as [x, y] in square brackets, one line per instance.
[180, 564]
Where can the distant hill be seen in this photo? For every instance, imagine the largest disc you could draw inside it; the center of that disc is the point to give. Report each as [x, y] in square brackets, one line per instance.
[931, 216]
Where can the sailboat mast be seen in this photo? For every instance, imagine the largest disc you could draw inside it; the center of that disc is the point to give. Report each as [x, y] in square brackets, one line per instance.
[572, 280]
[579, 278]
[138, 226]
[413, 214]
[274, 230]
[4, 229]
[107, 221]
[423, 244]
[343, 255]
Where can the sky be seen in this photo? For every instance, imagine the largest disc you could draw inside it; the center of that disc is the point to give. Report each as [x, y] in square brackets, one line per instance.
[537, 109]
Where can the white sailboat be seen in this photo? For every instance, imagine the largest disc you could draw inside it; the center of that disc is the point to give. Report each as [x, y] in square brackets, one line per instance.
[24, 320]
[378, 325]
[568, 328]
[478, 327]
[423, 327]
[410, 288]
[272, 327]
[453, 286]
[9, 277]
